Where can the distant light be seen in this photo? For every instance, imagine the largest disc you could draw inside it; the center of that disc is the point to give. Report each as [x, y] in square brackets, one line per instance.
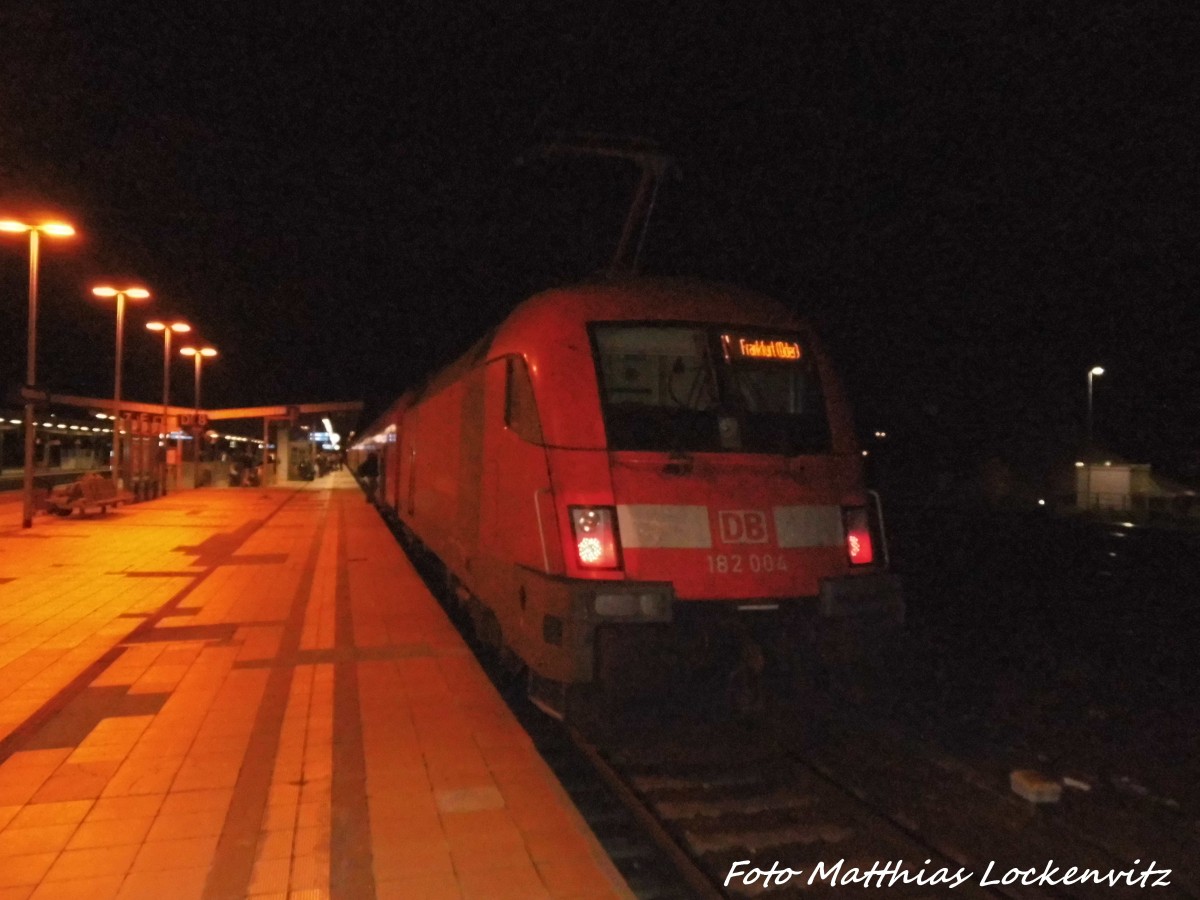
[1041, 502]
[1078, 465]
[1107, 463]
[1096, 370]
[866, 453]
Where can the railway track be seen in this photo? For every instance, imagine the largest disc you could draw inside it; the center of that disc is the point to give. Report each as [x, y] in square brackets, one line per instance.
[738, 804]
[825, 796]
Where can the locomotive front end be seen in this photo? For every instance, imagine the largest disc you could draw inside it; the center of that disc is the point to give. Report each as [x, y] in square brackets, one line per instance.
[723, 526]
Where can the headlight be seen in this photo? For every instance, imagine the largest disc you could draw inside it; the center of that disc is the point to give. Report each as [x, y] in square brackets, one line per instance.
[595, 531]
[647, 605]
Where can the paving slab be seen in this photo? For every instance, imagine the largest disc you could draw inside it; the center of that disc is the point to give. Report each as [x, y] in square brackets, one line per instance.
[231, 693]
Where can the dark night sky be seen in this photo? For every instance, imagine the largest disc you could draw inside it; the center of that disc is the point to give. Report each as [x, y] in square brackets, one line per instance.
[975, 202]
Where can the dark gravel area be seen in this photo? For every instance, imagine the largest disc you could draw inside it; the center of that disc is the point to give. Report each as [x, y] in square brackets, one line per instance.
[1062, 645]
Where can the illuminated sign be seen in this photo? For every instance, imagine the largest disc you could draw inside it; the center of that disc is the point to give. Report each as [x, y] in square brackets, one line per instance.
[739, 347]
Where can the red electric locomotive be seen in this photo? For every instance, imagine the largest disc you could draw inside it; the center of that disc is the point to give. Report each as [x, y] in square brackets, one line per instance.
[638, 479]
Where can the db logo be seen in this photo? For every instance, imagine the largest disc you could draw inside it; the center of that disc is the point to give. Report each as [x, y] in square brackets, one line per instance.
[742, 526]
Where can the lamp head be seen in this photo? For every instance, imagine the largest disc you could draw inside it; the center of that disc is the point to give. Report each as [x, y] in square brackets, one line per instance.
[134, 293]
[1096, 370]
[177, 327]
[54, 229]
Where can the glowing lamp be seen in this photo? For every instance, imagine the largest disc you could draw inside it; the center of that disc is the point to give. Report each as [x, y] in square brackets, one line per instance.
[595, 533]
[857, 524]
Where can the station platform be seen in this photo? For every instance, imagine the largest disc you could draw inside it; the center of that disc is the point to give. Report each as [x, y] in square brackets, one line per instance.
[232, 693]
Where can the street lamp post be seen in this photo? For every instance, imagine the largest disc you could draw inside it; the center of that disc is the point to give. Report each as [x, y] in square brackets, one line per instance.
[53, 229]
[1093, 372]
[133, 293]
[197, 354]
[167, 330]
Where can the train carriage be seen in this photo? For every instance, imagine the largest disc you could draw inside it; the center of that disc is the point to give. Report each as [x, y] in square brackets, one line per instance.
[633, 479]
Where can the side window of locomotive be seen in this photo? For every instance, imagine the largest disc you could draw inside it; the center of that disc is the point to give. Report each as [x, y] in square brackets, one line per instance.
[658, 387]
[520, 410]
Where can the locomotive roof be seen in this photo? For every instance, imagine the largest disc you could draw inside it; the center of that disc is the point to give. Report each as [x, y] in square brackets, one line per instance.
[641, 299]
[554, 314]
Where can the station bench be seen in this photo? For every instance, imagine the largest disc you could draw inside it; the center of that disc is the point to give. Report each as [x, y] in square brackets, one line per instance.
[89, 492]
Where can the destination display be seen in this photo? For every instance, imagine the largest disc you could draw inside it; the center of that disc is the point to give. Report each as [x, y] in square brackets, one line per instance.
[757, 347]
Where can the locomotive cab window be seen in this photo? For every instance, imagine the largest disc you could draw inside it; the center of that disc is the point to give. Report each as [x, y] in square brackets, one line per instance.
[520, 410]
[697, 388]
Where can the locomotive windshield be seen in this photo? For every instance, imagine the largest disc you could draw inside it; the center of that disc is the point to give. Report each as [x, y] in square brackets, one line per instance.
[696, 388]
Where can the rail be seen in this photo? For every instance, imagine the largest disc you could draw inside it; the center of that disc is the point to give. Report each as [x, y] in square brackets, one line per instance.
[692, 874]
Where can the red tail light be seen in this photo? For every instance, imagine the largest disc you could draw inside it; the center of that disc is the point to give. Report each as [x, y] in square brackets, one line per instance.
[857, 524]
[595, 531]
